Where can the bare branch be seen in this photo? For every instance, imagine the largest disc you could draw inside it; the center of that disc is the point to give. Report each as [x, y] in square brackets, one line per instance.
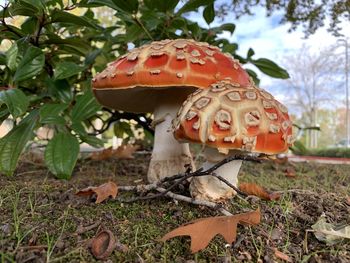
[164, 189]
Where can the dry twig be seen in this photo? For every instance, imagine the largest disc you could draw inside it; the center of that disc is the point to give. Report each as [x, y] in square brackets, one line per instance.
[164, 186]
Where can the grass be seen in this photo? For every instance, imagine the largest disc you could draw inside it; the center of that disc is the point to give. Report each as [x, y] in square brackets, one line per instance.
[40, 210]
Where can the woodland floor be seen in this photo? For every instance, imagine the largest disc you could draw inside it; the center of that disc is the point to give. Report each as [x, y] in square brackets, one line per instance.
[40, 215]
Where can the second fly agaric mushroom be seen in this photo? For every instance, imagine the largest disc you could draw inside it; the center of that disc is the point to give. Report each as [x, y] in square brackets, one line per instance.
[230, 119]
[157, 78]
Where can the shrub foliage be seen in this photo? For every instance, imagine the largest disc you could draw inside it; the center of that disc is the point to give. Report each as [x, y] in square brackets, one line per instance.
[55, 47]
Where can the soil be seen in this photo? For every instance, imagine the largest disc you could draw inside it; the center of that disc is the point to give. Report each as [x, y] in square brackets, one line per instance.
[42, 220]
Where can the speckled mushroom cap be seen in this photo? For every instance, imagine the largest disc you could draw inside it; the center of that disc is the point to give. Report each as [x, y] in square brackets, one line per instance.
[228, 116]
[132, 82]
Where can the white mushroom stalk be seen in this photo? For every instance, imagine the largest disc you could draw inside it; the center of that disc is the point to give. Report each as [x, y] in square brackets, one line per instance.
[169, 157]
[211, 188]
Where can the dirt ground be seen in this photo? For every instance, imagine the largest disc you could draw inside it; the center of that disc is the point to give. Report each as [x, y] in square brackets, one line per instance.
[42, 220]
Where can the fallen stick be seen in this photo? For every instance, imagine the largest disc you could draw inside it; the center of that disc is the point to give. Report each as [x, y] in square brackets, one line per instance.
[173, 196]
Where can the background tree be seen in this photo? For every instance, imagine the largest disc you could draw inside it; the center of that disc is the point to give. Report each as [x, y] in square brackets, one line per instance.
[309, 14]
[315, 82]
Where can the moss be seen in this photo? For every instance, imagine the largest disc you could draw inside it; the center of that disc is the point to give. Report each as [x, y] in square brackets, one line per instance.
[51, 208]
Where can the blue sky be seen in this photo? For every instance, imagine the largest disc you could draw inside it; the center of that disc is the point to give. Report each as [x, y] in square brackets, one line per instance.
[270, 39]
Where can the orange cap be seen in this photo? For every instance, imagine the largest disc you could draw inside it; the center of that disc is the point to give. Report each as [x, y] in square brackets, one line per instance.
[132, 81]
[229, 116]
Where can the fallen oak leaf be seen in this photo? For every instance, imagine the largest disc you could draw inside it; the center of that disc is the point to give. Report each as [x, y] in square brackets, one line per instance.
[257, 190]
[203, 230]
[103, 192]
[122, 152]
[125, 151]
[102, 155]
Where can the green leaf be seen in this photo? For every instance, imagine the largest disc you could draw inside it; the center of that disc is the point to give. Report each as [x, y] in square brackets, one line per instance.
[69, 45]
[3, 60]
[15, 100]
[178, 22]
[93, 141]
[90, 58]
[86, 106]
[11, 57]
[27, 8]
[209, 13]
[35, 4]
[230, 48]
[61, 155]
[65, 17]
[30, 25]
[270, 68]
[121, 128]
[254, 76]
[250, 53]
[133, 32]
[50, 114]
[4, 113]
[79, 128]
[161, 5]
[31, 64]
[195, 30]
[152, 19]
[129, 6]
[228, 27]
[12, 145]
[192, 5]
[60, 89]
[10, 32]
[66, 69]
[96, 3]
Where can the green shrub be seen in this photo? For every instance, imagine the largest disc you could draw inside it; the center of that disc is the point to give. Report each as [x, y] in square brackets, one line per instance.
[331, 152]
[55, 48]
[299, 149]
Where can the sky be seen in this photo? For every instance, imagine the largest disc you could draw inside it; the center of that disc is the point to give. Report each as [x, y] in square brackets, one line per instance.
[270, 39]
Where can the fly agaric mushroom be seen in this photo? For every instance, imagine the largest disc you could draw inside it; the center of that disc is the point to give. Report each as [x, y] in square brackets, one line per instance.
[230, 119]
[157, 78]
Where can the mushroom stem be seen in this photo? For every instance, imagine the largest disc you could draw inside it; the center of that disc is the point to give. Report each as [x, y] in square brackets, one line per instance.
[211, 188]
[169, 157]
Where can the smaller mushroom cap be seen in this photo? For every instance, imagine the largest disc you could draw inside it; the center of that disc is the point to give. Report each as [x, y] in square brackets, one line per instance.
[228, 116]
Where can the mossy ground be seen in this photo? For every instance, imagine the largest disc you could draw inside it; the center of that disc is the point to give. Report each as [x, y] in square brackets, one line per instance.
[40, 215]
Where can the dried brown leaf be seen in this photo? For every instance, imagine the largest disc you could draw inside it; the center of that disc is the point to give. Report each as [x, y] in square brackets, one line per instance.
[103, 192]
[257, 190]
[203, 230]
[102, 155]
[125, 151]
[347, 200]
[290, 172]
[282, 256]
[122, 152]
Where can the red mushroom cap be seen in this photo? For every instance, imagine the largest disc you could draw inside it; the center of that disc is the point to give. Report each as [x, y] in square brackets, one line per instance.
[228, 116]
[125, 84]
